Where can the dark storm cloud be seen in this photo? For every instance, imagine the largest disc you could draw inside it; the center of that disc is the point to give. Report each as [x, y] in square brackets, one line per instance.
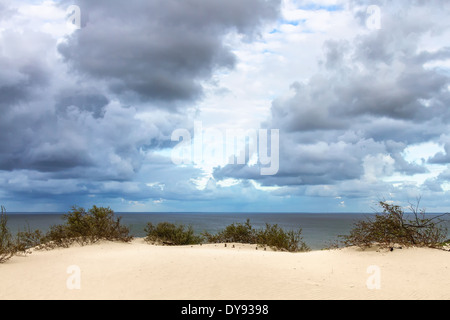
[89, 100]
[83, 131]
[160, 50]
[23, 66]
[311, 164]
[25, 77]
[442, 158]
[373, 97]
[354, 86]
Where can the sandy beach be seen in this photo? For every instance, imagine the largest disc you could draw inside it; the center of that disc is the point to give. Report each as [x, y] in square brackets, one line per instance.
[142, 271]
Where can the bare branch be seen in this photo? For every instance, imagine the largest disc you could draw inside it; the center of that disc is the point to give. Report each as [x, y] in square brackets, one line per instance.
[392, 227]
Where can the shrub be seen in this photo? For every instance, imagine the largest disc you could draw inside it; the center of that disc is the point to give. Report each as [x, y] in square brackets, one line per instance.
[272, 236]
[236, 232]
[7, 248]
[171, 234]
[275, 237]
[86, 227]
[393, 227]
[58, 236]
[28, 239]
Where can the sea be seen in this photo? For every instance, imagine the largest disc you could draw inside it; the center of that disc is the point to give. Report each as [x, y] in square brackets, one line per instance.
[319, 230]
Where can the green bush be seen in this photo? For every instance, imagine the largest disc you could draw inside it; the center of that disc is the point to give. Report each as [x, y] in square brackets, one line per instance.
[236, 232]
[86, 227]
[272, 236]
[7, 247]
[171, 234]
[393, 227]
[58, 236]
[275, 237]
[28, 239]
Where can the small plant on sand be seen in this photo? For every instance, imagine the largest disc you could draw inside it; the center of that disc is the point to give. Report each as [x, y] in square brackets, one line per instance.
[171, 234]
[394, 227]
[7, 247]
[272, 236]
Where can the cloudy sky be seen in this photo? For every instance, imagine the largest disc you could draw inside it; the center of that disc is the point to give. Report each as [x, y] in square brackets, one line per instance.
[90, 99]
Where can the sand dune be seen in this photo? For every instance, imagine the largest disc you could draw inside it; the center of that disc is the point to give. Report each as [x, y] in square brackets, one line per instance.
[142, 271]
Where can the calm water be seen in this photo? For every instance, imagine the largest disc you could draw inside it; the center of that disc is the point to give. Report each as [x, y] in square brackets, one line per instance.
[318, 229]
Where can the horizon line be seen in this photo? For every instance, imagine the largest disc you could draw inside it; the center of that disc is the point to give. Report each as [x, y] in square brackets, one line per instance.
[208, 212]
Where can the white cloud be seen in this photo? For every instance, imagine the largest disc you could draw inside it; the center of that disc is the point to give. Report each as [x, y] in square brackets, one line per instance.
[422, 152]
[378, 167]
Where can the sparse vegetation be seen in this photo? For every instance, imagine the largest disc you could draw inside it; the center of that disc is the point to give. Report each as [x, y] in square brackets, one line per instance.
[87, 227]
[171, 234]
[275, 237]
[393, 227]
[28, 239]
[7, 249]
[387, 229]
[81, 226]
[236, 232]
[272, 236]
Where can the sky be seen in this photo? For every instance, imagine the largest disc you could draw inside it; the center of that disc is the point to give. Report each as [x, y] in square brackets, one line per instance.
[334, 105]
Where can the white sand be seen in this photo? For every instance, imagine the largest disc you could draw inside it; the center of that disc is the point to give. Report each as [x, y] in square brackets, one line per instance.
[142, 271]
